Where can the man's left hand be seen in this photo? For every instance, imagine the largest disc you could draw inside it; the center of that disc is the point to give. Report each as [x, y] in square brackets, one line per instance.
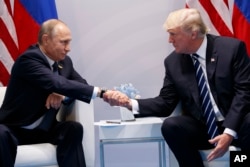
[54, 100]
[222, 142]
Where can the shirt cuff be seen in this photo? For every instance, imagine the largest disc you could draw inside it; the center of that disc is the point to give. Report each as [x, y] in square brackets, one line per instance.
[135, 106]
[94, 95]
[231, 132]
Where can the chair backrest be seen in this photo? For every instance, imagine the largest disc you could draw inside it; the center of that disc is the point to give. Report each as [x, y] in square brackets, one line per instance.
[2, 93]
[83, 113]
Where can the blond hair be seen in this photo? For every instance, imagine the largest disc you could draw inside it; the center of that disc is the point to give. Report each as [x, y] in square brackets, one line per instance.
[188, 19]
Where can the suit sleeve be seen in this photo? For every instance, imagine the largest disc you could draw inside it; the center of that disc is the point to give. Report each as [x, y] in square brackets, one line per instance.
[34, 70]
[241, 78]
[163, 104]
[71, 74]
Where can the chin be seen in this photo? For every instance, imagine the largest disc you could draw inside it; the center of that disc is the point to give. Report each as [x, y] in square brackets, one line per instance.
[177, 51]
[62, 58]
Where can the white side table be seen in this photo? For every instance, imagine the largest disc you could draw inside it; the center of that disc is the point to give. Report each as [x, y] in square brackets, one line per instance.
[140, 131]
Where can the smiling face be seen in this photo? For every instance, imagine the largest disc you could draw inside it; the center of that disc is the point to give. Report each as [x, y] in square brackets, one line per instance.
[56, 43]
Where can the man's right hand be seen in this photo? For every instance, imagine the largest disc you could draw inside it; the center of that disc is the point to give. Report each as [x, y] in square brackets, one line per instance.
[116, 98]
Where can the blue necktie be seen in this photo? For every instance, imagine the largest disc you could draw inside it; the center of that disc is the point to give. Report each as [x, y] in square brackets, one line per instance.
[55, 68]
[208, 110]
[50, 115]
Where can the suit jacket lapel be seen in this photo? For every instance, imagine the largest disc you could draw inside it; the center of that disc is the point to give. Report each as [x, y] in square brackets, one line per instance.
[211, 64]
[211, 59]
[42, 56]
[189, 72]
[47, 63]
[191, 84]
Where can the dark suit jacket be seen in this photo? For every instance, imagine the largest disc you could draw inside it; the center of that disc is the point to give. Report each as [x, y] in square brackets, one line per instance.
[32, 80]
[228, 72]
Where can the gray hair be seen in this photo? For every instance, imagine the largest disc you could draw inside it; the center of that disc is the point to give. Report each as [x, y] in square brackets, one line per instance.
[48, 28]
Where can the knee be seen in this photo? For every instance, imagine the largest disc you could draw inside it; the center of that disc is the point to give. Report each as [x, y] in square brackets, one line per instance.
[244, 133]
[169, 127]
[76, 130]
[3, 131]
[6, 136]
[245, 124]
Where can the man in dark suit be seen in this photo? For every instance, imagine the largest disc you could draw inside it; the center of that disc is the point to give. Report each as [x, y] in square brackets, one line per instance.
[43, 78]
[226, 67]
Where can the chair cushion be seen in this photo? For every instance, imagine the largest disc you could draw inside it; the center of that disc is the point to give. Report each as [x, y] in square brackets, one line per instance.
[225, 157]
[36, 155]
[205, 153]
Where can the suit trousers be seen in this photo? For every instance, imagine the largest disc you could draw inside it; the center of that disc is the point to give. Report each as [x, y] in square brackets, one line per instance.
[186, 135]
[66, 135]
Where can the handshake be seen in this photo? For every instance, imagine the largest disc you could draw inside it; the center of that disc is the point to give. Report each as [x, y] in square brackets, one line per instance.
[121, 96]
[117, 98]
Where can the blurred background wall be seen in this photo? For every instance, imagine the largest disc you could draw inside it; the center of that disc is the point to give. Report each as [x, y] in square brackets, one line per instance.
[117, 42]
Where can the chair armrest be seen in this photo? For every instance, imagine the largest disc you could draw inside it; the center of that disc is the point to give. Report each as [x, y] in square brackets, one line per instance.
[84, 113]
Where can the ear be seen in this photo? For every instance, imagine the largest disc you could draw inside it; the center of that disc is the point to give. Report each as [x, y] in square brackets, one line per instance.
[194, 34]
[45, 38]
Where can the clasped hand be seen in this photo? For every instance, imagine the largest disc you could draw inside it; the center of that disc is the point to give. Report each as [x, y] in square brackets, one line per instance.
[54, 100]
[116, 98]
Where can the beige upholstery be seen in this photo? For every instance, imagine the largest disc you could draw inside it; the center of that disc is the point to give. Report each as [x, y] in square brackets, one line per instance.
[44, 155]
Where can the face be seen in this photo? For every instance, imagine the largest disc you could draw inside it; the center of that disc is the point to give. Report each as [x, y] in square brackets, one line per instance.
[182, 41]
[58, 45]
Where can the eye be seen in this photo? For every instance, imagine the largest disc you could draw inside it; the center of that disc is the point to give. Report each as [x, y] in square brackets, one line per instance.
[172, 34]
[65, 42]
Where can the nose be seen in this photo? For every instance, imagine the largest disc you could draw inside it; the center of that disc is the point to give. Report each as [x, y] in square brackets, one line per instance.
[170, 40]
[67, 47]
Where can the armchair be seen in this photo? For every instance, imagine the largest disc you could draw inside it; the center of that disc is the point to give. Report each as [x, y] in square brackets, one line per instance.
[219, 162]
[44, 154]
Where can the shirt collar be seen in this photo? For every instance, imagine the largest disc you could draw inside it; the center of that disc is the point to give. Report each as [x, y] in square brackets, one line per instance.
[202, 50]
[51, 62]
